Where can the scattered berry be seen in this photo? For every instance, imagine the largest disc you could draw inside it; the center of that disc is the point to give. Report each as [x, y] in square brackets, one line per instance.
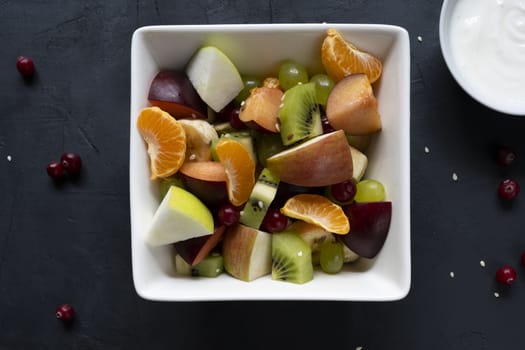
[327, 127]
[235, 121]
[344, 191]
[55, 170]
[505, 156]
[25, 66]
[65, 312]
[72, 163]
[506, 275]
[274, 221]
[508, 189]
[229, 215]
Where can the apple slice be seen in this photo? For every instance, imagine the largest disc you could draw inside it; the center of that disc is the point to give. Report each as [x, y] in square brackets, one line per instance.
[207, 181]
[215, 77]
[180, 216]
[321, 161]
[247, 252]
[194, 250]
[352, 106]
[370, 224]
[359, 162]
[173, 92]
[262, 108]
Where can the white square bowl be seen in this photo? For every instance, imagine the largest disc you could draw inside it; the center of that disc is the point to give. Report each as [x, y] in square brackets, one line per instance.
[257, 49]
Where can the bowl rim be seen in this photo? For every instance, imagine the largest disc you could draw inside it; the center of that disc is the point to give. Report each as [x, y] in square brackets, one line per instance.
[446, 12]
[402, 36]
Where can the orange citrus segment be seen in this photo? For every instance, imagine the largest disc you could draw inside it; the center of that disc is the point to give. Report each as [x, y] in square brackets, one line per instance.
[318, 210]
[240, 170]
[166, 141]
[341, 58]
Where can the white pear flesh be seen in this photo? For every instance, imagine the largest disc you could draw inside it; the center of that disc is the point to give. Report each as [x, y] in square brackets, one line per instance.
[180, 216]
[215, 77]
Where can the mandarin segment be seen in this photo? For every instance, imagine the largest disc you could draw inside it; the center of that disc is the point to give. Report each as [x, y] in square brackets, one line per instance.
[318, 210]
[240, 169]
[341, 58]
[166, 141]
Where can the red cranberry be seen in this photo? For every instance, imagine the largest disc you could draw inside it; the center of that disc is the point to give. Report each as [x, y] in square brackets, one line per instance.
[25, 66]
[72, 163]
[65, 312]
[344, 191]
[508, 189]
[229, 215]
[274, 221]
[506, 275]
[505, 156]
[55, 170]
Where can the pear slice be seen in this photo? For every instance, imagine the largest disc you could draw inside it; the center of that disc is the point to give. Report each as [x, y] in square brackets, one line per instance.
[215, 77]
[179, 217]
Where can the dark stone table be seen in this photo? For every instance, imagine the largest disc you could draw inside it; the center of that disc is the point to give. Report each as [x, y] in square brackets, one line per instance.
[72, 243]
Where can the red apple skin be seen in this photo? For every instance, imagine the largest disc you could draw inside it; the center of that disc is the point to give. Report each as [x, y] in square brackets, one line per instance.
[173, 92]
[262, 108]
[370, 224]
[352, 106]
[194, 250]
[207, 181]
[321, 161]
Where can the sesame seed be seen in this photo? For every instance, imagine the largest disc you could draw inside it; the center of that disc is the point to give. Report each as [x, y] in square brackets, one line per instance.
[300, 253]
[277, 127]
[281, 105]
[300, 83]
[427, 150]
[9, 158]
[482, 263]
[242, 212]
[454, 176]
[260, 204]
[452, 274]
[242, 103]
[282, 97]
[217, 270]
[193, 156]
[419, 38]
[496, 294]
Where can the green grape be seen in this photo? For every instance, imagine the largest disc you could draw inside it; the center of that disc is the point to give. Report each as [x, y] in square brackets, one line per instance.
[331, 256]
[267, 145]
[292, 73]
[323, 87]
[370, 191]
[165, 184]
[249, 83]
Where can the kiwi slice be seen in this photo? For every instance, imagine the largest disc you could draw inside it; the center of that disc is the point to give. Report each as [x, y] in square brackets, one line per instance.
[260, 199]
[210, 266]
[299, 115]
[246, 138]
[291, 258]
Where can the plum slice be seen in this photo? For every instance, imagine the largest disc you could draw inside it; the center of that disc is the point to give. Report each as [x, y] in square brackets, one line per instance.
[369, 226]
[194, 250]
[173, 92]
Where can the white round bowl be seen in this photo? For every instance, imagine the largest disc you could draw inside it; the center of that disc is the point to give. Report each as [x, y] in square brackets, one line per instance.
[480, 93]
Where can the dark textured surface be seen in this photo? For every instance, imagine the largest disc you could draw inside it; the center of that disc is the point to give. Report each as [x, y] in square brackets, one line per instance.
[72, 244]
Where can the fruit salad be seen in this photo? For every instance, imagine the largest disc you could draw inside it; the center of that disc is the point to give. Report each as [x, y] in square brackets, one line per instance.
[266, 176]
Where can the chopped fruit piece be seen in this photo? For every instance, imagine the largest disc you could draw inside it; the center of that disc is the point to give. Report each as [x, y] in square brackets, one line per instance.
[262, 108]
[180, 216]
[359, 162]
[291, 258]
[341, 58]
[240, 169]
[274, 221]
[370, 225]
[199, 136]
[166, 141]
[508, 189]
[215, 77]
[321, 161]
[207, 181]
[272, 83]
[247, 252]
[313, 235]
[352, 106]
[172, 92]
[506, 275]
[318, 210]
[249, 84]
[210, 266]
[260, 199]
[194, 250]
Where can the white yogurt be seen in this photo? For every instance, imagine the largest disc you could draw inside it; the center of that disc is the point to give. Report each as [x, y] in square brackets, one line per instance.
[487, 39]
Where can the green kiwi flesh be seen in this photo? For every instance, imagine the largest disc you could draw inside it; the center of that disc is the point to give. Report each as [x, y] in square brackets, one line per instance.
[260, 199]
[291, 258]
[210, 266]
[299, 115]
